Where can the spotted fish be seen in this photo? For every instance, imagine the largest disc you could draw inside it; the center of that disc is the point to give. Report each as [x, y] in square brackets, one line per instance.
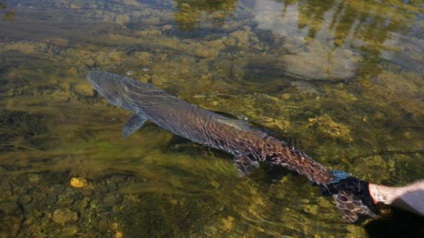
[248, 145]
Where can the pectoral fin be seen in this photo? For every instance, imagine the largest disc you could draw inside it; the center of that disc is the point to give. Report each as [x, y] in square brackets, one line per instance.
[133, 124]
[245, 164]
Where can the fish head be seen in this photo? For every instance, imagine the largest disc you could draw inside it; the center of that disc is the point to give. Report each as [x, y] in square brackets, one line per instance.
[113, 87]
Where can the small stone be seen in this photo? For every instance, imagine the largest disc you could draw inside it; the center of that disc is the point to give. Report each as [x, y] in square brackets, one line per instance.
[85, 203]
[24, 200]
[58, 188]
[167, 27]
[65, 200]
[34, 179]
[304, 201]
[69, 231]
[35, 213]
[119, 234]
[64, 215]
[109, 200]
[130, 73]
[11, 226]
[51, 199]
[87, 192]
[112, 186]
[84, 89]
[122, 19]
[228, 223]
[6, 189]
[8, 208]
[78, 182]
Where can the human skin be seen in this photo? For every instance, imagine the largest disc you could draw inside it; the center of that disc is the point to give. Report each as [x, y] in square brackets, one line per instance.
[409, 197]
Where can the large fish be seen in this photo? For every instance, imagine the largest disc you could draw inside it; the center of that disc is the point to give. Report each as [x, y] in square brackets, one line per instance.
[248, 145]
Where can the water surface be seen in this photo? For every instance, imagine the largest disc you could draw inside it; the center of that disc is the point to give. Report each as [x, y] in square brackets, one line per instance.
[341, 80]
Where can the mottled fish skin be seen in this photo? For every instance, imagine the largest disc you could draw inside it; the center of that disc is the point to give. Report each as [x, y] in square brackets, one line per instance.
[248, 145]
[197, 124]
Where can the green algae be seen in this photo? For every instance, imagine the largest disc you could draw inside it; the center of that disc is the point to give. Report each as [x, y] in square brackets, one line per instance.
[51, 119]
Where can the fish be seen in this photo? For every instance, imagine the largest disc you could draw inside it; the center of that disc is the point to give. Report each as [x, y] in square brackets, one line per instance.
[249, 146]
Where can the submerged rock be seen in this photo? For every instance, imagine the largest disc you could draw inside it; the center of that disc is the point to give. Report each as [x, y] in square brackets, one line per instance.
[320, 61]
[6, 188]
[24, 200]
[64, 215]
[9, 208]
[311, 58]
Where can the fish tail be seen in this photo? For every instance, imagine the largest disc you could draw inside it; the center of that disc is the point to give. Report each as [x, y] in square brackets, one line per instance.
[352, 207]
[351, 195]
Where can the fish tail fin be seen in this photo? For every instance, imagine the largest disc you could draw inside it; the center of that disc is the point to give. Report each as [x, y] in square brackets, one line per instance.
[351, 207]
[351, 195]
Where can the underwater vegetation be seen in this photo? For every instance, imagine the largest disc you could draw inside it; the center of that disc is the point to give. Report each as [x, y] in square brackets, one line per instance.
[340, 80]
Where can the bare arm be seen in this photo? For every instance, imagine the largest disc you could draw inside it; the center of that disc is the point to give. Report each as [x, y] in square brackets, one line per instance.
[409, 197]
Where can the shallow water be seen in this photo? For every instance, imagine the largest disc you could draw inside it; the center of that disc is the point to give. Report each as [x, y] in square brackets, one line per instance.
[341, 80]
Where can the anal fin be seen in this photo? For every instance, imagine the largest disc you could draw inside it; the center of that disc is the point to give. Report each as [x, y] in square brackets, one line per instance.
[133, 124]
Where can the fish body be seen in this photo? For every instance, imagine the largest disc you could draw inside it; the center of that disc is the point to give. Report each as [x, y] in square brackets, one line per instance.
[248, 145]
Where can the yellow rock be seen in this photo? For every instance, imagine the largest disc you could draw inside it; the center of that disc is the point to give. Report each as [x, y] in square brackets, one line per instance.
[119, 234]
[228, 223]
[78, 182]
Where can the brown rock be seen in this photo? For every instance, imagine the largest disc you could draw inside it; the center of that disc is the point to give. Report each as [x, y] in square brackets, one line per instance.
[9, 208]
[64, 215]
[6, 188]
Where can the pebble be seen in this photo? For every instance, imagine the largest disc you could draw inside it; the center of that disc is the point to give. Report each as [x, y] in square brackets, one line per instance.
[112, 186]
[58, 188]
[8, 208]
[87, 192]
[12, 225]
[34, 179]
[64, 215]
[130, 72]
[51, 199]
[65, 200]
[78, 182]
[304, 201]
[25, 199]
[6, 189]
[109, 200]
[69, 231]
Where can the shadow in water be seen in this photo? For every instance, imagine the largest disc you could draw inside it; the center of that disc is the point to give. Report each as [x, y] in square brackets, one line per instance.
[191, 15]
[399, 224]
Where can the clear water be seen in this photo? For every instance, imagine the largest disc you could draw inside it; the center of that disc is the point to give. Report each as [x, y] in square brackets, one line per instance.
[342, 80]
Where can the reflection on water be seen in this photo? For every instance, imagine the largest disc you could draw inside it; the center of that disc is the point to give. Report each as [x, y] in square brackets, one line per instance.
[344, 78]
[330, 35]
[191, 15]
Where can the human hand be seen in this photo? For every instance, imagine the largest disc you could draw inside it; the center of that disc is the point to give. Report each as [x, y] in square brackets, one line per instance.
[409, 197]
